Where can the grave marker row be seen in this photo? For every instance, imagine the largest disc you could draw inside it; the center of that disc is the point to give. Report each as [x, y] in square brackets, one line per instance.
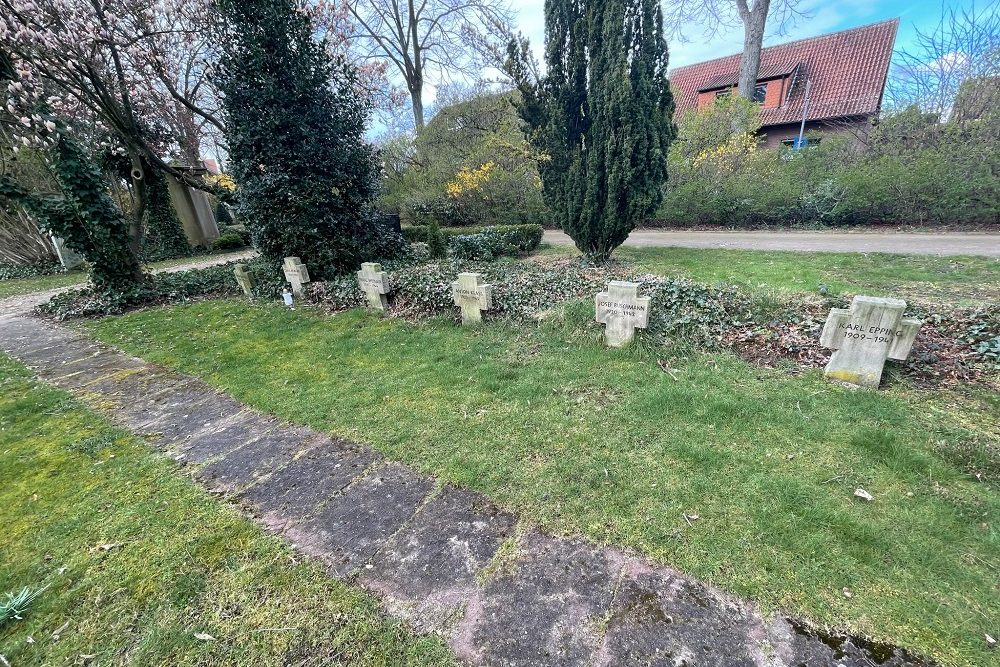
[863, 336]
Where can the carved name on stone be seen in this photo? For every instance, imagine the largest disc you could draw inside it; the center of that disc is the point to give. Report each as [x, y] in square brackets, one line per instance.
[622, 311]
[472, 296]
[864, 336]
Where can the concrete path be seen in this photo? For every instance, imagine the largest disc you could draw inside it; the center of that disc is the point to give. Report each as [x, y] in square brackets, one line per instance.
[897, 243]
[444, 559]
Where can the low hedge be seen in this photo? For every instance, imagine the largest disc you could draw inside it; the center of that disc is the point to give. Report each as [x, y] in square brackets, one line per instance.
[522, 238]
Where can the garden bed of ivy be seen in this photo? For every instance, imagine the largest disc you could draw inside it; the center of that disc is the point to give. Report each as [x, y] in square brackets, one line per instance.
[954, 345]
[161, 288]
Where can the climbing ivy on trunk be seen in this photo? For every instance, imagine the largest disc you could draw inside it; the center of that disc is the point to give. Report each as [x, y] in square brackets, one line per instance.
[84, 216]
[164, 236]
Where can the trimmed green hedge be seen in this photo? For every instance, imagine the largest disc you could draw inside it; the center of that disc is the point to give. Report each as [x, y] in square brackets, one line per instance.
[523, 237]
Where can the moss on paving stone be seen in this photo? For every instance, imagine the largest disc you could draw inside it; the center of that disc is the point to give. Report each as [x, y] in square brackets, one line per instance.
[138, 561]
[604, 443]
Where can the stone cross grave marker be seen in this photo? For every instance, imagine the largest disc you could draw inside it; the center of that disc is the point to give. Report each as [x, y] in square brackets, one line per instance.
[374, 282]
[244, 279]
[864, 336]
[622, 311]
[472, 296]
[296, 273]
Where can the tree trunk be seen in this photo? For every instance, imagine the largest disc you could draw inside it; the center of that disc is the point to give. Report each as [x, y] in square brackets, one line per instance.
[135, 227]
[418, 109]
[415, 78]
[754, 21]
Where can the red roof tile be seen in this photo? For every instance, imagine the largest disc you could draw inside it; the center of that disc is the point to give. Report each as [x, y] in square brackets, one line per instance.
[847, 69]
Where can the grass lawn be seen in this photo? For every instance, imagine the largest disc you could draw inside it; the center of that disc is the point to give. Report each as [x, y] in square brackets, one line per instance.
[138, 561]
[43, 283]
[586, 440]
[963, 280]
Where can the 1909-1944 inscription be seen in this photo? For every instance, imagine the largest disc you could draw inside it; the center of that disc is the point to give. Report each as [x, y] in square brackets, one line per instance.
[864, 336]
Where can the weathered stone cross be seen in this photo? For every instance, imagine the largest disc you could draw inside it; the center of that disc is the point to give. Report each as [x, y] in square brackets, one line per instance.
[244, 279]
[472, 296]
[374, 282]
[296, 273]
[622, 311]
[864, 336]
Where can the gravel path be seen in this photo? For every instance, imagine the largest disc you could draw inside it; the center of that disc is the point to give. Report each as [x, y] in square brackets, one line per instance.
[896, 243]
[444, 559]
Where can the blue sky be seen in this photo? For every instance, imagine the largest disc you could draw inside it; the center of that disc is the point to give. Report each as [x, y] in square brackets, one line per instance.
[824, 16]
[821, 16]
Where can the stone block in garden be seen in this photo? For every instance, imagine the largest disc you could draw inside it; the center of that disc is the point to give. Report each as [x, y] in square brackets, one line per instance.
[622, 311]
[374, 282]
[296, 273]
[244, 279]
[472, 296]
[864, 336]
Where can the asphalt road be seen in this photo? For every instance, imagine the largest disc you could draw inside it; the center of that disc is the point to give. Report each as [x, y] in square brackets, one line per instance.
[958, 243]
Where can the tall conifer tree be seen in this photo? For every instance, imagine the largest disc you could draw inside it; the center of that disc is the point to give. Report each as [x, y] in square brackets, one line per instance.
[295, 127]
[603, 113]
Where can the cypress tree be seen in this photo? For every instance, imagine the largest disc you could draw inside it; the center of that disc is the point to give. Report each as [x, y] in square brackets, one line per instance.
[295, 127]
[603, 113]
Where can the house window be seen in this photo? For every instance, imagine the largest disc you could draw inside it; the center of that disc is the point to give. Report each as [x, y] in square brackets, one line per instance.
[725, 92]
[760, 93]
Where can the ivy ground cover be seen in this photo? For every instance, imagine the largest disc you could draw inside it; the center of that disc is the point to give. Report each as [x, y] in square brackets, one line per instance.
[140, 567]
[739, 475]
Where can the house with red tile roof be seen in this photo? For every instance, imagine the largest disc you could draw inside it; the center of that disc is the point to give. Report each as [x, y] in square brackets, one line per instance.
[846, 73]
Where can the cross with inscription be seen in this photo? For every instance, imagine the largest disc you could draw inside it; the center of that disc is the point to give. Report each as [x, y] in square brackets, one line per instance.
[296, 273]
[244, 279]
[622, 311]
[472, 296]
[374, 282]
[864, 336]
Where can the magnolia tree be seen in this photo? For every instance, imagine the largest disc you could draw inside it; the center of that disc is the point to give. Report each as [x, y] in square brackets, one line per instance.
[122, 67]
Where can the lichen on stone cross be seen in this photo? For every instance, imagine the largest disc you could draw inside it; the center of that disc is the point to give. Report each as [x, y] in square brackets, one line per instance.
[374, 282]
[244, 279]
[296, 273]
[472, 296]
[622, 311]
[864, 336]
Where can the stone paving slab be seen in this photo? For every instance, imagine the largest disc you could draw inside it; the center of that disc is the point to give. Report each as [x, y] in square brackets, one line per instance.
[661, 618]
[428, 570]
[176, 416]
[354, 525]
[242, 466]
[548, 610]
[292, 494]
[218, 438]
[435, 559]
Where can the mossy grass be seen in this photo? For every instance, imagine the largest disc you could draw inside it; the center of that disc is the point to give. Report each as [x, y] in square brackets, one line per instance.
[620, 445]
[141, 567]
[962, 280]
